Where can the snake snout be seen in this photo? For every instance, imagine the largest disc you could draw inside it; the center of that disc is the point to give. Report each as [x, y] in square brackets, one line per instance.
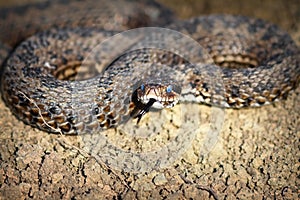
[164, 96]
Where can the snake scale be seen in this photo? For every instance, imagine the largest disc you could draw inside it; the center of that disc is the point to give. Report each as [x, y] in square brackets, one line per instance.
[41, 52]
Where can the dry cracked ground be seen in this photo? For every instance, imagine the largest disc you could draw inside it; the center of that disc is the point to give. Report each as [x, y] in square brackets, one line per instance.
[249, 154]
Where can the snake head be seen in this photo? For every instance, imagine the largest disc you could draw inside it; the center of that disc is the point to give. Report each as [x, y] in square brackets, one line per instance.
[157, 96]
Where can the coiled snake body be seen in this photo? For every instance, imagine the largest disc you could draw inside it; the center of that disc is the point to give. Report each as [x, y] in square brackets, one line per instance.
[258, 64]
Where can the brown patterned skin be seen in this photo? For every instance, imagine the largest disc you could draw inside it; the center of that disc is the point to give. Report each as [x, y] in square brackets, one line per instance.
[249, 63]
[259, 62]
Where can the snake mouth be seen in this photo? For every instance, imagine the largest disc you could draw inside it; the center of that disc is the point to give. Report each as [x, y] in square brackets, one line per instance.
[144, 110]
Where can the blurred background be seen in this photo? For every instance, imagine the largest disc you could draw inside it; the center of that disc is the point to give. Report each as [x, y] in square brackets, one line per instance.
[285, 13]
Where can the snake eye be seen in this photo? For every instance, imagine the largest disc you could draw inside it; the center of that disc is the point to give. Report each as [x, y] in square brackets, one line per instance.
[169, 89]
[142, 87]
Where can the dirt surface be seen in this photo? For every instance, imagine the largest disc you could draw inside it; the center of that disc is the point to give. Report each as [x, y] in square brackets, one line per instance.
[254, 155]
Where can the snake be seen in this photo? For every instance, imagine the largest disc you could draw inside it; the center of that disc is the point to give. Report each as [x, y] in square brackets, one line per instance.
[49, 78]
